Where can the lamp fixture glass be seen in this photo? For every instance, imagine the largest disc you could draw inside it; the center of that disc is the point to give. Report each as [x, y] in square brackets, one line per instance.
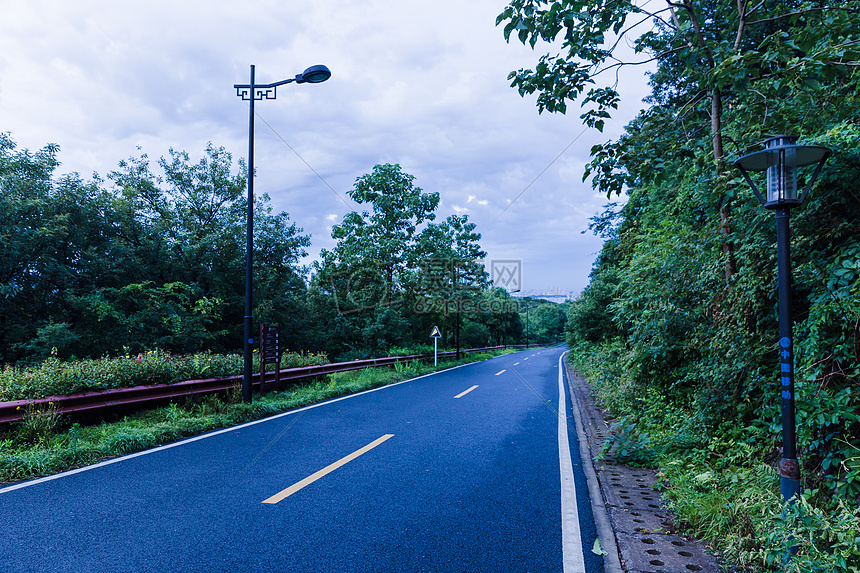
[782, 171]
[780, 159]
[314, 75]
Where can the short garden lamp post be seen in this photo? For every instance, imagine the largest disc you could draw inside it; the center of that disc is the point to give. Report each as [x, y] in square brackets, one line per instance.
[780, 159]
[251, 93]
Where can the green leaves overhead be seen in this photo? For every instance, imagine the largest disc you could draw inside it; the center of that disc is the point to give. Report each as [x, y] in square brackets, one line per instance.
[581, 28]
[707, 54]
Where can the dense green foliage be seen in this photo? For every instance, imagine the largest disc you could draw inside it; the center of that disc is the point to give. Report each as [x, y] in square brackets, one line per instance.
[140, 261]
[395, 273]
[153, 257]
[544, 321]
[678, 326]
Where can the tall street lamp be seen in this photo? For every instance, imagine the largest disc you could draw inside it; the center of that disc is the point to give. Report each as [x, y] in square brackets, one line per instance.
[527, 327]
[780, 159]
[252, 92]
[459, 302]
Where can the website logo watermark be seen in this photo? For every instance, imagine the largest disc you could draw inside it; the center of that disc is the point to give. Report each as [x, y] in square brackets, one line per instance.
[438, 286]
[363, 287]
[507, 274]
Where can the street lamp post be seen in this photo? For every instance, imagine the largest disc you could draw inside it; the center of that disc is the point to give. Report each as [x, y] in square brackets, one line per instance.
[457, 296]
[527, 327]
[781, 159]
[506, 317]
[250, 93]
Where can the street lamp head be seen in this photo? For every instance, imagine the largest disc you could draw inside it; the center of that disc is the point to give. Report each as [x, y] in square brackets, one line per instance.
[780, 159]
[314, 75]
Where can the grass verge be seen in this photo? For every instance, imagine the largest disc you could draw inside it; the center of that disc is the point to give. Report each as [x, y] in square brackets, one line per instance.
[34, 448]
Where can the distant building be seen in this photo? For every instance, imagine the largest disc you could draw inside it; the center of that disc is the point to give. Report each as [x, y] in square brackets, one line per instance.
[555, 295]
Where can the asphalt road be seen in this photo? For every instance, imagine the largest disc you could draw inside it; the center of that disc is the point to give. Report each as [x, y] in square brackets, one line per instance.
[462, 470]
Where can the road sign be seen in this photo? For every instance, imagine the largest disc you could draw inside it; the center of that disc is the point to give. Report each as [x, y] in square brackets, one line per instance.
[435, 335]
[270, 353]
[270, 348]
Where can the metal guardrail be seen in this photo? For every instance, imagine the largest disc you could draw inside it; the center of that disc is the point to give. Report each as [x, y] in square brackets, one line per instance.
[143, 395]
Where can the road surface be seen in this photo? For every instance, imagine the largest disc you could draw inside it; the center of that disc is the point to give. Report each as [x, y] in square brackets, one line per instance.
[470, 469]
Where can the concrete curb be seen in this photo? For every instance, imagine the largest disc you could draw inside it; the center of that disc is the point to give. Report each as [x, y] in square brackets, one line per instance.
[605, 533]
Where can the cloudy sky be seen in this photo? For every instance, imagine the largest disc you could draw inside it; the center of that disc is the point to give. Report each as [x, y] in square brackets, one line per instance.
[422, 84]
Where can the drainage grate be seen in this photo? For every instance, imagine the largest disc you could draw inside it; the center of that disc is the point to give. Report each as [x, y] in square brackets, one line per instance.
[663, 554]
[629, 488]
[642, 525]
[637, 521]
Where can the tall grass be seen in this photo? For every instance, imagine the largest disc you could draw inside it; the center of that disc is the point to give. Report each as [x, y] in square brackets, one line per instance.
[57, 378]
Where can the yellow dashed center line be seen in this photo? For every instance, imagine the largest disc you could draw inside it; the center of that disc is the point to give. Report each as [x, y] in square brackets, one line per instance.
[461, 394]
[326, 470]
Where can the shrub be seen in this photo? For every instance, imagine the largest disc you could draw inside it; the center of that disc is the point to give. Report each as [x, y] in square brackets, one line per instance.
[38, 424]
[823, 540]
[54, 377]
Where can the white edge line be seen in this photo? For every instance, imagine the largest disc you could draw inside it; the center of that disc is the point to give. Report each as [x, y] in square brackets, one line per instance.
[571, 538]
[611, 563]
[37, 481]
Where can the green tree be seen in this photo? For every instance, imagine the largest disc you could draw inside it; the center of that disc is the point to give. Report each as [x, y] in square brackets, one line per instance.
[154, 260]
[137, 316]
[195, 211]
[394, 272]
[717, 65]
[449, 275]
[374, 253]
[56, 243]
[546, 322]
[678, 325]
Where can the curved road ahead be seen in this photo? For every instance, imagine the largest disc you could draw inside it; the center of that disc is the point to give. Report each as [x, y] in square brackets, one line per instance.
[469, 469]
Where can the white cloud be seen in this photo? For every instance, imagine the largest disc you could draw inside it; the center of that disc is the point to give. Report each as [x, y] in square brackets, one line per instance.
[422, 84]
